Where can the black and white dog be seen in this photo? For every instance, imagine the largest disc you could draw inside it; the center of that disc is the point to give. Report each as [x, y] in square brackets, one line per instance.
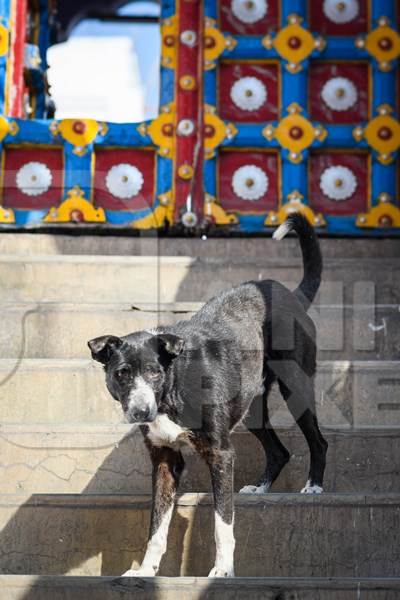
[195, 381]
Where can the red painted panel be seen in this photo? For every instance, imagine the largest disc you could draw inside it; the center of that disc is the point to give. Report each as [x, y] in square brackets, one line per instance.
[144, 160]
[18, 59]
[14, 159]
[320, 73]
[267, 73]
[229, 162]
[230, 23]
[189, 149]
[358, 164]
[321, 24]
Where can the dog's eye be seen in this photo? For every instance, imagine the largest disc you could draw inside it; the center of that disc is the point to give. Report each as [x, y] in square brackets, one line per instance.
[122, 373]
[151, 370]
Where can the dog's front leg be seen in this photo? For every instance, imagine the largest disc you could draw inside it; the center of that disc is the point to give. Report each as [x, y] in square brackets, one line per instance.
[168, 465]
[221, 463]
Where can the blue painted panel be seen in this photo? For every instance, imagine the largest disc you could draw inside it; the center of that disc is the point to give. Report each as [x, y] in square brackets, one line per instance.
[249, 47]
[210, 87]
[294, 177]
[119, 217]
[164, 175]
[290, 7]
[78, 169]
[294, 89]
[210, 9]
[384, 88]
[168, 8]
[250, 135]
[383, 180]
[343, 48]
[385, 8]
[210, 176]
[125, 134]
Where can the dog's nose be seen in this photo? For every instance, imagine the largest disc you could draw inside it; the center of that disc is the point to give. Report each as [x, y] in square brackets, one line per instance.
[141, 415]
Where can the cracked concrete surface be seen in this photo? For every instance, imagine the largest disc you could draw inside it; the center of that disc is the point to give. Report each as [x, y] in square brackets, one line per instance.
[97, 460]
[327, 536]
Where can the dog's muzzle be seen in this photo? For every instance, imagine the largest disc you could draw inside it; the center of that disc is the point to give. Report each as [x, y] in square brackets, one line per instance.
[142, 406]
[141, 415]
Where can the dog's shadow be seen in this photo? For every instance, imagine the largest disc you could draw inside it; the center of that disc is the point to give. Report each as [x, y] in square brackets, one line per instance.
[68, 534]
[103, 529]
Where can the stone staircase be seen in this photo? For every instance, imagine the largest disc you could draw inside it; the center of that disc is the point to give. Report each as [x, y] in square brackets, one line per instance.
[75, 482]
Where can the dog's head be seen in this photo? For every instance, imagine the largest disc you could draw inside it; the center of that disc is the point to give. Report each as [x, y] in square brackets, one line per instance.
[136, 368]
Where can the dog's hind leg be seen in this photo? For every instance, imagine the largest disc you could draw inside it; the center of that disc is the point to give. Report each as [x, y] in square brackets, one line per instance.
[277, 456]
[221, 463]
[301, 403]
[168, 465]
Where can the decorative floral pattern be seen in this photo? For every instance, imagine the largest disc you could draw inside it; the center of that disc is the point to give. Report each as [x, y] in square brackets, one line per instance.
[250, 182]
[339, 93]
[249, 11]
[338, 183]
[34, 179]
[124, 181]
[248, 93]
[341, 12]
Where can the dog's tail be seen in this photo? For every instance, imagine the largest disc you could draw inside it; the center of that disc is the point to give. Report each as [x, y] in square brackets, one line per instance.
[312, 257]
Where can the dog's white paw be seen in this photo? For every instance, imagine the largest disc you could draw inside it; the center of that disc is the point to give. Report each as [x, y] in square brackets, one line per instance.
[142, 572]
[220, 572]
[254, 489]
[311, 489]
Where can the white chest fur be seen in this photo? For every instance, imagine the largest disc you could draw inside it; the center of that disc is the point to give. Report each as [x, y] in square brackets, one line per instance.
[163, 431]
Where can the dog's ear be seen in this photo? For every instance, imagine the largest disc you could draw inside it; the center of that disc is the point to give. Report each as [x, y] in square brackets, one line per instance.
[103, 347]
[171, 344]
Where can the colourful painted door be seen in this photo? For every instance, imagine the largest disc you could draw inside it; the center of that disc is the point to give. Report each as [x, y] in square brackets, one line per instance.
[267, 106]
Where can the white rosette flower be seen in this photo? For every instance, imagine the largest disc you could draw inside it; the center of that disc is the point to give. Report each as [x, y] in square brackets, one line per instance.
[249, 11]
[341, 11]
[124, 181]
[250, 182]
[338, 183]
[248, 93]
[339, 93]
[34, 179]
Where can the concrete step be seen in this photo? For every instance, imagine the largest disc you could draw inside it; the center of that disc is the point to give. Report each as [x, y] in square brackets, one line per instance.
[278, 535]
[61, 330]
[359, 394]
[184, 279]
[113, 459]
[25, 587]
[148, 243]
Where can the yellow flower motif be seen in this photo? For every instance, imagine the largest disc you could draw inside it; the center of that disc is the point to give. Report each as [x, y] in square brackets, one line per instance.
[7, 128]
[169, 36]
[4, 40]
[215, 211]
[78, 132]
[161, 130]
[383, 43]
[295, 204]
[294, 43]
[215, 131]
[295, 132]
[76, 209]
[6, 215]
[214, 44]
[383, 215]
[4, 127]
[382, 134]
